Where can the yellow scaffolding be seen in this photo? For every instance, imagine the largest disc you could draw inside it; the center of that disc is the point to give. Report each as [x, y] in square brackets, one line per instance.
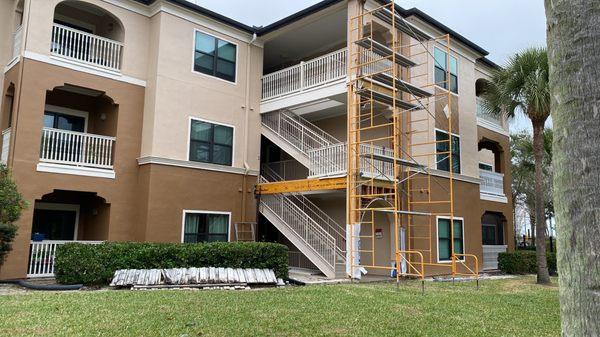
[395, 112]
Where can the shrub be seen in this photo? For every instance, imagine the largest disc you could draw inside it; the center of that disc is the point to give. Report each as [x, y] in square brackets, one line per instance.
[523, 262]
[11, 206]
[96, 264]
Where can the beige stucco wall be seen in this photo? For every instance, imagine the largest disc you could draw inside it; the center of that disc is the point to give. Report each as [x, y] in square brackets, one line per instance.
[136, 27]
[181, 94]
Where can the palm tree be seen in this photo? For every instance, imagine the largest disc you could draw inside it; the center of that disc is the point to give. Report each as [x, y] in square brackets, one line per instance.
[522, 88]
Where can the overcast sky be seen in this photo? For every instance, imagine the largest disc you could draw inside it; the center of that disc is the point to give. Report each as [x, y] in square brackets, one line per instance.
[502, 27]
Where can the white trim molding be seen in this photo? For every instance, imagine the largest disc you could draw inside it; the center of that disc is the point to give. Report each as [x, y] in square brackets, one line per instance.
[60, 62]
[189, 211]
[494, 198]
[437, 239]
[76, 170]
[492, 127]
[193, 165]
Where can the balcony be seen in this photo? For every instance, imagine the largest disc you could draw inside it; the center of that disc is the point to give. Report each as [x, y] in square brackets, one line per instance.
[42, 254]
[492, 186]
[79, 46]
[17, 43]
[305, 76]
[487, 120]
[76, 153]
[5, 146]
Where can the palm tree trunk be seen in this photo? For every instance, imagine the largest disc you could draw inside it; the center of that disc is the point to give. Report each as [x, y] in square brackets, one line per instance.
[574, 41]
[543, 277]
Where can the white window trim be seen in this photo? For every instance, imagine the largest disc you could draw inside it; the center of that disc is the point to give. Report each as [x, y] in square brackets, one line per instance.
[492, 165]
[452, 54]
[189, 211]
[49, 206]
[189, 140]
[437, 238]
[460, 148]
[237, 51]
[71, 112]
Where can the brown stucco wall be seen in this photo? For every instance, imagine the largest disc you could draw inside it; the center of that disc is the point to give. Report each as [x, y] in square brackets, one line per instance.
[197, 190]
[121, 193]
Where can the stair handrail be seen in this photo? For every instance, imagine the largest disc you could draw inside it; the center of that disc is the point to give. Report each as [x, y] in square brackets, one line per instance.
[329, 224]
[321, 242]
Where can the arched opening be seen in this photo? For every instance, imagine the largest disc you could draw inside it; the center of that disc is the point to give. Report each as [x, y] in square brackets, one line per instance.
[491, 156]
[70, 216]
[79, 128]
[88, 18]
[493, 225]
[480, 86]
[87, 33]
[6, 122]
[491, 167]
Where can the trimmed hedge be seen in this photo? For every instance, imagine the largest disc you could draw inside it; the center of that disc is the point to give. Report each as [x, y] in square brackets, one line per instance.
[77, 263]
[524, 262]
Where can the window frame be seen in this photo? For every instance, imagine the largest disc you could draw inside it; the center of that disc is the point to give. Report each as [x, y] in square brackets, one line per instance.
[446, 82]
[190, 211]
[492, 169]
[459, 152]
[189, 140]
[52, 206]
[66, 111]
[237, 51]
[437, 237]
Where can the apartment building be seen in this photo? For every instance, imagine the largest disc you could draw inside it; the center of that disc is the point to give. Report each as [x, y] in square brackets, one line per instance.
[157, 120]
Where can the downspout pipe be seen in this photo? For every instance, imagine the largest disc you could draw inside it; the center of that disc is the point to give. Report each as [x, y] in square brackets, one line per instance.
[247, 110]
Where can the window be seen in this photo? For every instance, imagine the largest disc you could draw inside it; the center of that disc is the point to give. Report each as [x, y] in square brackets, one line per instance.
[205, 227]
[211, 143]
[442, 149]
[214, 57]
[486, 167]
[66, 122]
[441, 70]
[444, 239]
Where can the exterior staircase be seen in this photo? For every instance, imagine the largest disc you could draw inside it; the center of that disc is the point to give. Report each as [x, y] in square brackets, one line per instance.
[320, 238]
[295, 135]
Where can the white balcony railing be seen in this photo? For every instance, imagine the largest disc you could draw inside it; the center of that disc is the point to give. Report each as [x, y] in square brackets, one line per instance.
[5, 146]
[77, 149]
[42, 254]
[491, 183]
[17, 42]
[87, 48]
[483, 115]
[306, 75]
[333, 160]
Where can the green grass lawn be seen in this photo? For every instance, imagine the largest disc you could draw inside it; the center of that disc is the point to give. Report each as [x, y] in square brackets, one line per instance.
[514, 307]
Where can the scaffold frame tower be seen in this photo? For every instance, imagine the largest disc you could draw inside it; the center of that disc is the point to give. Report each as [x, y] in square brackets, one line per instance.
[398, 113]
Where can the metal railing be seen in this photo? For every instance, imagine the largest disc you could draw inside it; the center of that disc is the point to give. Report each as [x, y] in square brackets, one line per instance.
[42, 254]
[486, 116]
[17, 42]
[299, 260]
[333, 228]
[333, 160]
[297, 131]
[83, 47]
[284, 170]
[491, 182]
[306, 75]
[5, 146]
[76, 148]
[302, 224]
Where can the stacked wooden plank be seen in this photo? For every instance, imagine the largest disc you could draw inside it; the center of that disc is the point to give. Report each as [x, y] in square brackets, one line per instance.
[193, 277]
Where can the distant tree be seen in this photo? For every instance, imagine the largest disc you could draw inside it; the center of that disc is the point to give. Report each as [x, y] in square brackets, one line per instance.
[11, 206]
[574, 56]
[523, 174]
[521, 87]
